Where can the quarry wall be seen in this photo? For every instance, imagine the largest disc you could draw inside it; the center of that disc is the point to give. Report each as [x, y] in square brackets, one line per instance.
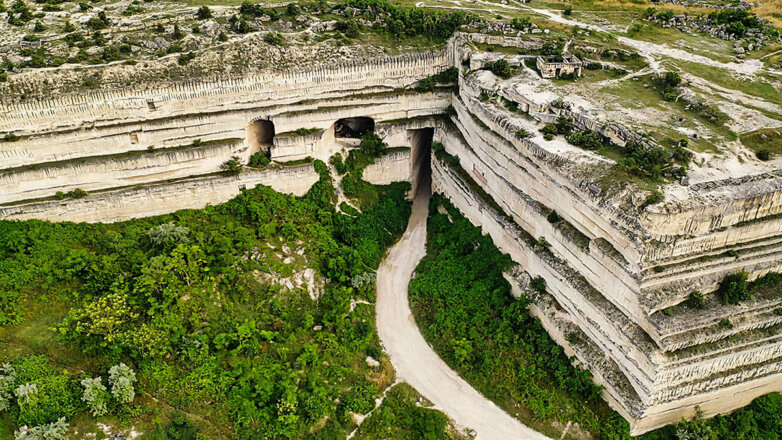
[610, 270]
[163, 198]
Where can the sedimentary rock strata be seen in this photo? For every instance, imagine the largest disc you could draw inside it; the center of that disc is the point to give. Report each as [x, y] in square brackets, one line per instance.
[612, 265]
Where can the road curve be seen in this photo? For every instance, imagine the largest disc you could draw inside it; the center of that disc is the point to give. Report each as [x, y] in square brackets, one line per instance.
[414, 360]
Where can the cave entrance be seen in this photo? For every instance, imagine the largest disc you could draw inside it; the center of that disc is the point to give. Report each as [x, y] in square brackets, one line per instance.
[421, 159]
[260, 135]
[353, 127]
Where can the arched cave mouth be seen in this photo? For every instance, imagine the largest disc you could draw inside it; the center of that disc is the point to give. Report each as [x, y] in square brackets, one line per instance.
[260, 135]
[353, 127]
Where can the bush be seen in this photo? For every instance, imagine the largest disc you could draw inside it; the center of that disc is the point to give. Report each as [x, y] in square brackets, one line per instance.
[204, 13]
[350, 28]
[339, 165]
[500, 68]
[588, 140]
[522, 133]
[98, 22]
[763, 154]
[168, 235]
[733, 288]
[538, 284]
[240, 25]
[259, 160]
[56, 430]
[697, 300]
[185, 58]
[553, 217]
[521, 23]
[122, 378]
[95, 395]
[232, 165]
[274, 39]
[653, 198]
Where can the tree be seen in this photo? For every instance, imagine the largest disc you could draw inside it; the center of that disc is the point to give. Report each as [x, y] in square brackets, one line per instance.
[167, 234]
[121, 378]
[95, 395]
[500, 68]
[177, 34]
[538, 284]
[232, 166]
[734, 288]
[26, 394]
[48, 431]
[204, 13]
[7, 380]
[274, 38]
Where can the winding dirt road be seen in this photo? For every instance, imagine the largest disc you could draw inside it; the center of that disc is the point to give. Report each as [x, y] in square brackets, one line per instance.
[414, 360]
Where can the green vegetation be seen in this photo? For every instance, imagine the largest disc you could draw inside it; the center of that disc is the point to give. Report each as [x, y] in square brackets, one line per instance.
[737, 21]
[216, 347]
[399, 21]
[669, 84]
[307, 131]
[735, 288]
[697, 300]
[647, 162]
[360, 192]
[500, 68]
[274, 38]
[463, 306]
[764, 142]
[401, 417]
[448, 76]
[232, 165]
[259, 159]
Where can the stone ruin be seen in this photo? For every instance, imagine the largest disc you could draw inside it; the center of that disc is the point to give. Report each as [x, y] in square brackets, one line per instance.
[555, 66]
[611, 267]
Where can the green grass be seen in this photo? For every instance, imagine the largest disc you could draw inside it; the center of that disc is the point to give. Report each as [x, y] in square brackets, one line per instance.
[772, 141]
[700, 44]
[633, 94]
[764, 86]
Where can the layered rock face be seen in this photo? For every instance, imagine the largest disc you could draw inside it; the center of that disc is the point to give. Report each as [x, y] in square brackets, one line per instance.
[618, 274]
[145, 152]
[611, 267]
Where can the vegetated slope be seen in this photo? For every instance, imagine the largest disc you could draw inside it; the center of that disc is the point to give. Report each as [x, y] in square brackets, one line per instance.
[194, 303]
[464, 308]
[403, 416]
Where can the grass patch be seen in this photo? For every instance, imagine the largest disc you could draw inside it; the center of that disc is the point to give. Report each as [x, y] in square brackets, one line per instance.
[765, 87]
[768, 138]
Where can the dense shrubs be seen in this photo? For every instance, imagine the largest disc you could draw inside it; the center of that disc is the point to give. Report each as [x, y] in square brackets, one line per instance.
[500, 68]
[652, 162]
[464, 307]
[402, 417]
[588, 140]
[733, 288]
[448, 76]
[401, 21]
[669, 84]
[178, 299]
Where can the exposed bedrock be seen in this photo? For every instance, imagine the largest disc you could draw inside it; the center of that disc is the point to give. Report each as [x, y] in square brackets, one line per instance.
[616, 272]
[649, 386]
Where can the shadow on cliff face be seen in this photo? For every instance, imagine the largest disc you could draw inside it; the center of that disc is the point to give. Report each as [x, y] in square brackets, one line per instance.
[421, 159]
